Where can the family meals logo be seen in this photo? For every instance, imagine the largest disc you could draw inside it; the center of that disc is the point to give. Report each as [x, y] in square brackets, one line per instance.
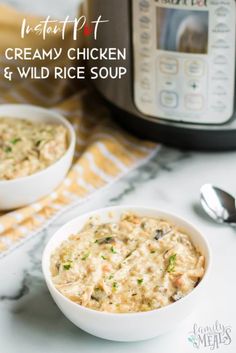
[212, 337]
[189, 3]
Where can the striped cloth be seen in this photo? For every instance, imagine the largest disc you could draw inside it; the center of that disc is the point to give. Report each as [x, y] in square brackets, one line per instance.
[103, 154]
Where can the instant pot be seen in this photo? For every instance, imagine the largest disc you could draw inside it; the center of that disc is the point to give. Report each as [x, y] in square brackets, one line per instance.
[180, 82]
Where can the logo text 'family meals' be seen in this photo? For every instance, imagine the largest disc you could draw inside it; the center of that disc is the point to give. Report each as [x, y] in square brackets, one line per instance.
[210, 336]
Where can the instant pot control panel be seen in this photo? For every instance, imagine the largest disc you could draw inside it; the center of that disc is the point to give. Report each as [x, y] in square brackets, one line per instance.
[184, 59]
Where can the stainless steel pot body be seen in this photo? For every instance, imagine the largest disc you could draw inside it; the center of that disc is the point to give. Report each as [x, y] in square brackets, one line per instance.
[209, 130]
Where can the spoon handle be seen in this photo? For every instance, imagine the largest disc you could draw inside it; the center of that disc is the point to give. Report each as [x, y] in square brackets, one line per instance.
[232, 221]
[233, 225]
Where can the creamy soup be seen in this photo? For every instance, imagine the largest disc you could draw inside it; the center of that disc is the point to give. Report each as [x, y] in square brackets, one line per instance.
[133, 265]
[27, 147]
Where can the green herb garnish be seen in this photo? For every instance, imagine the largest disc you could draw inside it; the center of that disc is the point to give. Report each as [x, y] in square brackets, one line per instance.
[8, 149]
[139, 281]
[15, 140]
[142, 225]
[111, 276]
[67, 266]
[113, 250]
[108, 239]
[38, 143]
[114, 285]
[85, 256]
[171, 263]
[103, 257]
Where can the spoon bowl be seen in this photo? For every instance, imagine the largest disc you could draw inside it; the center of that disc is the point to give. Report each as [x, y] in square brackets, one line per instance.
[218, 204]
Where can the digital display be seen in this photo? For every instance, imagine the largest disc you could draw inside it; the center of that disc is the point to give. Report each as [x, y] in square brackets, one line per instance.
[183, 31]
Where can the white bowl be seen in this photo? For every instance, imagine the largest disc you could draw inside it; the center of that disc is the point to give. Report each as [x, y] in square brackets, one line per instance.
[127, 326]
[23, 191]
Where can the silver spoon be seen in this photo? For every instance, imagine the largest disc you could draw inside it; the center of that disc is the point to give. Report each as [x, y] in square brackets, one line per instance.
[218, 204]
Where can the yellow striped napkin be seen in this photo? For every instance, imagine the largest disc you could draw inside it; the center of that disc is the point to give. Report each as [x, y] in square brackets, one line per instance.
[104, 152]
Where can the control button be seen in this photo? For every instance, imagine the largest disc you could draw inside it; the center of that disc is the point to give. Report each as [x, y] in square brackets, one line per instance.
[146, 98]
[145, 83]
[195, 68]
[222, 11]
[218, 106]
[220, 60]
[221, 28]
[145, 38]
[194, 101]
[144, 5]
[220, 74]
[219, 91]
[168, 84]
[194, 85]
[220, 44]
[145, 52]
[169, 65]
[169, 99]
[145, 67]
[145, 22]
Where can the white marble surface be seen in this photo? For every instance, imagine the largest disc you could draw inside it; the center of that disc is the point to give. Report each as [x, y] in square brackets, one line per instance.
[30, 322]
